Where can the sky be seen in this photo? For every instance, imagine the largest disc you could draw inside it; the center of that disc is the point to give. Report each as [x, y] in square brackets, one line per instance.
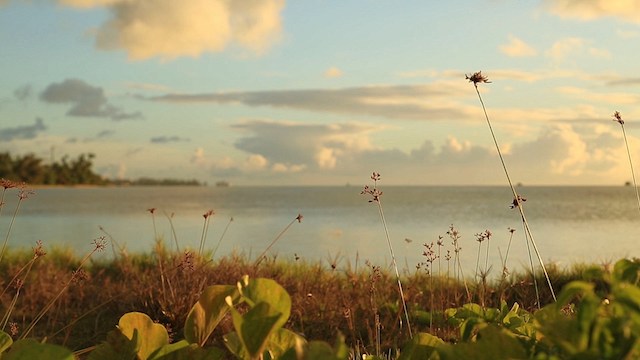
[316, 92]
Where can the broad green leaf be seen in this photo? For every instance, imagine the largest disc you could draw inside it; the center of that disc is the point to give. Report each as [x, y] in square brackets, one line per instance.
[116, 347]
[255, 327]
[29, 349]
[5, 341]
[183, 350]
[629, 295]
[282, 340]
[147, 335]
[493, 343]
[570, 291]
[270, 292]
[626, 270]
[422, 346]
[207, 313]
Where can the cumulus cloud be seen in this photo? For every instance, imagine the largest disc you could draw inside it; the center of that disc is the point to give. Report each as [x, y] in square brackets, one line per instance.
[169, 29]
[22, 132]
[517, 48]
[85, 100]
[293, 146]
[561, 49]
[420, 102]
[168, 139]
[628, 10]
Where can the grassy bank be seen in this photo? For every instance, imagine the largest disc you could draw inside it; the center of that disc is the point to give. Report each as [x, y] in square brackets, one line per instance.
[353, 299]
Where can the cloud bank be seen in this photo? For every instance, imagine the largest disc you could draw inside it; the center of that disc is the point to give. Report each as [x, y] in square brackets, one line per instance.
[628, 10]
[419, 102]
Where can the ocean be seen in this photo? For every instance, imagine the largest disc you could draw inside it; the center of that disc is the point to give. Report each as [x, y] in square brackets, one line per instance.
[571, 224]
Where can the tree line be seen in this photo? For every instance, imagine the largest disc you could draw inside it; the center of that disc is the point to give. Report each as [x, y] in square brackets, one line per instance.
[67, 171]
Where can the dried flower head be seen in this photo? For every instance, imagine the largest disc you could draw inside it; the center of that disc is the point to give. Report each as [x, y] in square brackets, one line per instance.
[299, 218]
[374, 192]
[13, 328]
[100, 243]
[511, 230]
[517, 201]
[79, 276]
[38, 250]
[151, 210]
[617, 117]
[187, 263]
[24, 192]
[18, 284]
[208, 213]
[7, 184]
[476, 78]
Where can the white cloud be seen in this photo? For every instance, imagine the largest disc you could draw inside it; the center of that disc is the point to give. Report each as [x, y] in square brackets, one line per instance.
[169, 29]
[563, 48]
[256, 162]
[517, 48]
[628, 10]
[333, 72]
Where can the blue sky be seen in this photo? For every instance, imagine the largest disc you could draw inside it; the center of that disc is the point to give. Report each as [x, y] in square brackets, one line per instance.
[266, 92]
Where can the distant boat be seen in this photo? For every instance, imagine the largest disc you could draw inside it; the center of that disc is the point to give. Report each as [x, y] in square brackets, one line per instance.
[222, 184]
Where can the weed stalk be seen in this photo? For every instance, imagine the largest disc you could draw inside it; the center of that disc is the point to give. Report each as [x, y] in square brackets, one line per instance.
[375, 197]
[479, 78]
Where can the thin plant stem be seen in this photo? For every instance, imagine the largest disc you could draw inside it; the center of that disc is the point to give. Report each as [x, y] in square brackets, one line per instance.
[24, 194]
[99, 246]
[516, 197]
[618, 118]
[633, 175]
[224, 232]
[395, 266]
[173, 231]
[205, 229]
[261, 256]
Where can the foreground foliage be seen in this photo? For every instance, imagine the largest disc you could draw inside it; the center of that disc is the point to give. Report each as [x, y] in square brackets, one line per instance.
[595, 318]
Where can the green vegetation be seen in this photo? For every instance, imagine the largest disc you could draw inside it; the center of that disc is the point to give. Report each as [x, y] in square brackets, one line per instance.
[295, 310]
[35, 171]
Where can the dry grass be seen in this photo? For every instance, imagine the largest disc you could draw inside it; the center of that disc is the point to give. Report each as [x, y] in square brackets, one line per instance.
[326, 300]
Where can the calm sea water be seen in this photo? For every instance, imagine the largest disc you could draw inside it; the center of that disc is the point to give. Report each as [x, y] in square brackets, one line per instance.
[569, 224]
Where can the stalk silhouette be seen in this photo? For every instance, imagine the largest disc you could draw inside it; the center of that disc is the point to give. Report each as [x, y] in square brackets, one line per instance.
[476, 78]
[375, 197]
[618, 118]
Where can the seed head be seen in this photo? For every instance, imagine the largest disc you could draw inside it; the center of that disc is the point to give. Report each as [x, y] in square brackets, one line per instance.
[208, 213]
[299, 218]
[617, 117]
[7, 184]
[24, 192]
[38, 250]
[152, 210]
[476, 78]
[100, 243]
[516, 201]
[187, 263]
[13, 328]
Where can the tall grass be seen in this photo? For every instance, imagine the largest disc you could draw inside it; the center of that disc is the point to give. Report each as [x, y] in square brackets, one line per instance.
[375, 194]
[618, 118]
[477, 78]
